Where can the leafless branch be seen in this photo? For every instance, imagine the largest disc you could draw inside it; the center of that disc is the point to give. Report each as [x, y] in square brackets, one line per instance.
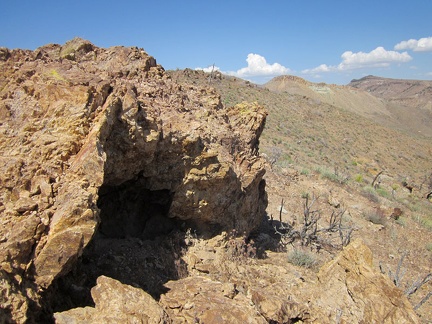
[376, 178]
[280, 211]
[424, 300]
[398, 276]
[417, 284]
[307, 232]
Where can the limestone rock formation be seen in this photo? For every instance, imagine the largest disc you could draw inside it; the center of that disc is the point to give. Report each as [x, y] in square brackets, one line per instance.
[95, 139]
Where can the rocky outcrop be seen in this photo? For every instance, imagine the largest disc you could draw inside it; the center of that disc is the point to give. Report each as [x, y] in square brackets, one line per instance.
[103, 140]
[201, 299]
[116, 303]
[225, 287]
[103, 155]
[349, 289]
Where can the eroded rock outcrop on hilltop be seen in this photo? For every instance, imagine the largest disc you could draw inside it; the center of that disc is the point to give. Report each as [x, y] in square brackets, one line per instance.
[111, 168]
[102, 140]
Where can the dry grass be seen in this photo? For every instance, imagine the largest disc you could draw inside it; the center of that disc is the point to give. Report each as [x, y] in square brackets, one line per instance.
[318, 145]
[302, 258]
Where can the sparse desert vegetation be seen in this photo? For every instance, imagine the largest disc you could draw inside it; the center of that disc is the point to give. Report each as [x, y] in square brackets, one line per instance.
[204, 196]
[335, 147]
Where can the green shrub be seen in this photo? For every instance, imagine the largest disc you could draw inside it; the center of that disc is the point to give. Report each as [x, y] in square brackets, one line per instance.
[401, 221]
[358, 178]
[376, 217]
[304, 172]
[383, 193]
[426, 222]
[332, 176]
[326, 174]
[370, 193]
[318, 170]
[429, 247]
[301, 258]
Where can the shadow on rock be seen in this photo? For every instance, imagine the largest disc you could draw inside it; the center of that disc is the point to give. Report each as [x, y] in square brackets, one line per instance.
[145, 264]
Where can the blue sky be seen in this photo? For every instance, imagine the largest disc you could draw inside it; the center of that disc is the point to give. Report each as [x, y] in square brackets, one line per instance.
[331, 41]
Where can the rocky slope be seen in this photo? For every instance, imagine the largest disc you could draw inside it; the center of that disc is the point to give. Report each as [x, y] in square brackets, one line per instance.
[333, 153]
[224, 286]
[129, 195]
[409, 101]
[101, 143]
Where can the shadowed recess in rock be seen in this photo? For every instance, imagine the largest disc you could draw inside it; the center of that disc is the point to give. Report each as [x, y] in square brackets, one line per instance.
[136, 243]
[132, 210]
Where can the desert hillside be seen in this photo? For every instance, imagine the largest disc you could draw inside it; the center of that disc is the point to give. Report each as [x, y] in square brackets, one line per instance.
[321, 140]
[327, 126]
[411, 93]
[405, 105]
[137, 195]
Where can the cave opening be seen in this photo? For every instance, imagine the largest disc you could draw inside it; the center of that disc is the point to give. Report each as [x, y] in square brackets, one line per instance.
[132, 210]
[136, 243]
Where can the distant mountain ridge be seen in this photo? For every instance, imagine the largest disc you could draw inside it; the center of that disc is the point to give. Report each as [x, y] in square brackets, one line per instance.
[411, 93]
[317, 124]
[402, 104]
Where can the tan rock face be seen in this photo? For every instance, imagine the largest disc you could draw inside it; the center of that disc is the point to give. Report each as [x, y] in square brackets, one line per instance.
[116, 303]
[100, 146]
[101, 138]
[201, 299]
[350, 289]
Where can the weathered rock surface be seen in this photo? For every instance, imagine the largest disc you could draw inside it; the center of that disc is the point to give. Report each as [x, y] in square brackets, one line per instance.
[208, 301]
[116, 303]
[101, 152]
[94, 138]
[350, 290]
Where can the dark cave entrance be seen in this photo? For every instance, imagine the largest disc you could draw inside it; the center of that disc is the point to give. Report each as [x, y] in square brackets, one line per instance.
[132, 210]
[136, 243]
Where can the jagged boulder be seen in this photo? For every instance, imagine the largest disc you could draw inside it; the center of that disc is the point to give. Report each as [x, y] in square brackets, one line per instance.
[95, 139]
[347, 289]
[350, 289]
[201, 299]
[116, 303]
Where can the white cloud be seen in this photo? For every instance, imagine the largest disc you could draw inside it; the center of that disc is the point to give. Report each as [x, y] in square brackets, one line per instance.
[258, 66]
[208, 69]
[319, 69]
[421, 45]
[379, 57]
